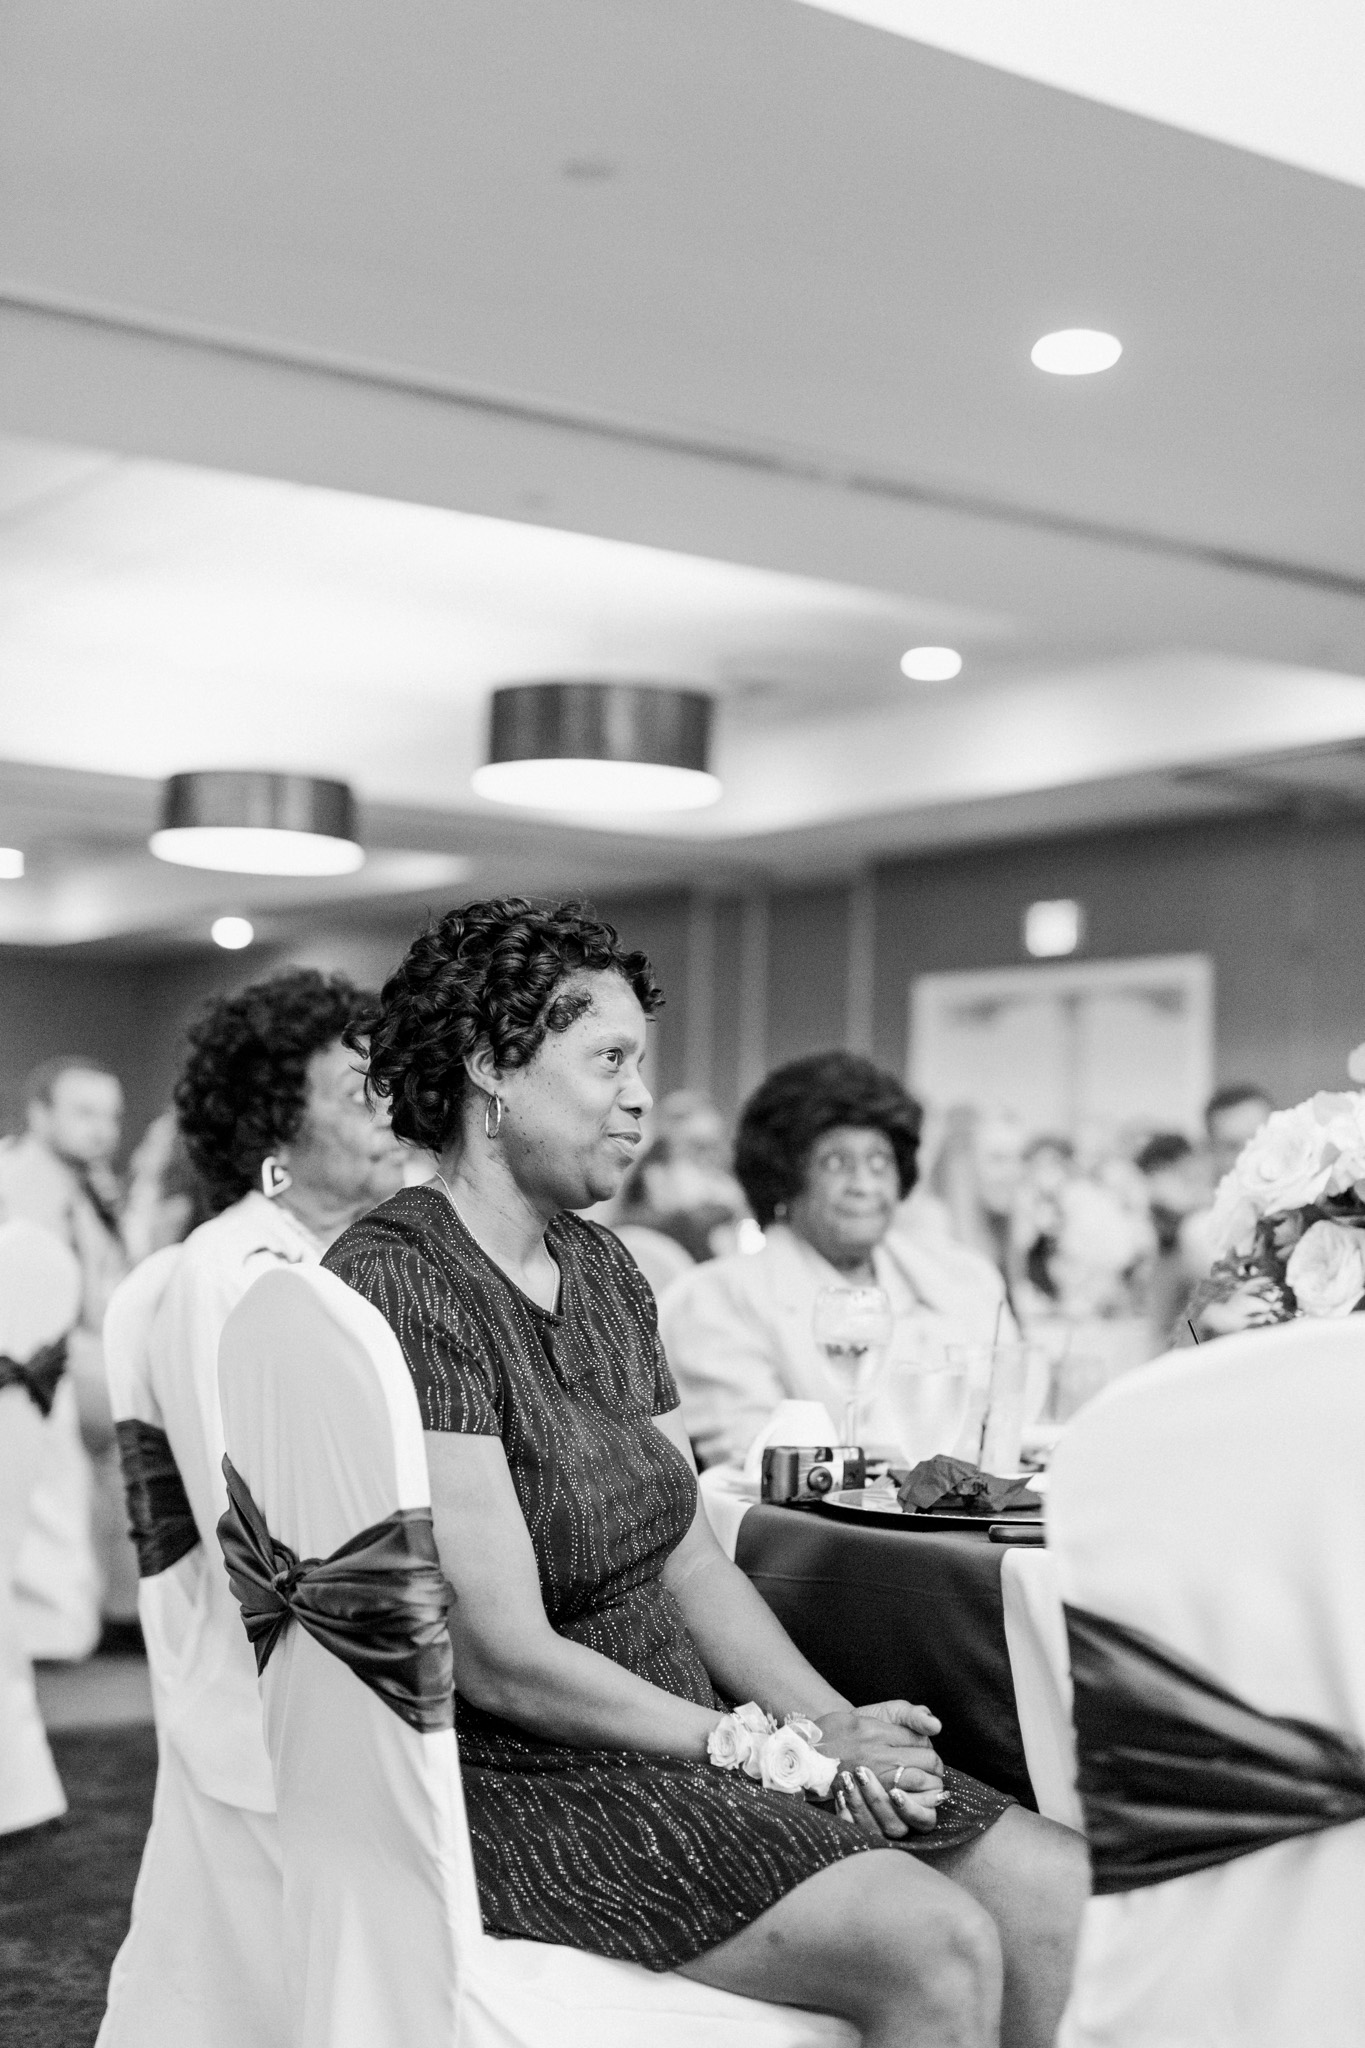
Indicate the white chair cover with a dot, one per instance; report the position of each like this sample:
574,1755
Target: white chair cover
40,1296
202,1965
385,1947
1216,1502
57,1585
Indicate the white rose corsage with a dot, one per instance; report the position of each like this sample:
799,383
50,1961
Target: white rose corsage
781,1759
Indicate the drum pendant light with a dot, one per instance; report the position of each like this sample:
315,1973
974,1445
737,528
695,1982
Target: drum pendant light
244,823
599,747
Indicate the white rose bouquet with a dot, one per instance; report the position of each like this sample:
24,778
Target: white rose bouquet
1289,1219
781,1759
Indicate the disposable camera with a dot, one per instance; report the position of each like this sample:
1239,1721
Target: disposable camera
810,1471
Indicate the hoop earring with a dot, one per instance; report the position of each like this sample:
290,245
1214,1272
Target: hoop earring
492,1117
275,1177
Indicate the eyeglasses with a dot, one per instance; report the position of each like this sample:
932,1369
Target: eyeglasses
833,1166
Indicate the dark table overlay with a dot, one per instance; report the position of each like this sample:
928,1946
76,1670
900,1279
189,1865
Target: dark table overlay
890,1614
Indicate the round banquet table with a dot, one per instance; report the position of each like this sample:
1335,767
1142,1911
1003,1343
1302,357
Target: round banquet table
971,1628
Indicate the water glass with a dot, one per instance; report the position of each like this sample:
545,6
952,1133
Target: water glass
997,1378
853,1327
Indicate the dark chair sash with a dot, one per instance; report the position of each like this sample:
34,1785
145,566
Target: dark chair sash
39,1376
1178,1774
160,1519
378,1603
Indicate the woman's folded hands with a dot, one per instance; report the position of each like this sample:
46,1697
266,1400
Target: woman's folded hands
891,1777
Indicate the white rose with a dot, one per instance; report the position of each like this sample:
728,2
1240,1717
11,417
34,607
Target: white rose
821,1772
758,1726
1326,1270
811,1730
1344,1118
1232,1223
784,1761
730,1746
1288,1163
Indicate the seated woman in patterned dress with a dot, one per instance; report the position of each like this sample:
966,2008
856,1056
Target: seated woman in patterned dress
598,1629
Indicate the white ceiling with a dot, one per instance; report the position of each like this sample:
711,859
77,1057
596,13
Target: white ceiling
1249,72
356,363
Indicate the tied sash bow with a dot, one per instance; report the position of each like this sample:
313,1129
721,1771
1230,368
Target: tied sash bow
378,1603
39,1375
160,1519
1178,1774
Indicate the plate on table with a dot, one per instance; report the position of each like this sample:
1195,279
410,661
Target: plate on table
878,1504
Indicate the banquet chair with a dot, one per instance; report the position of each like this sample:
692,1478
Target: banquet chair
169,1599
1207,1517
40,1293
201,1965
383,1938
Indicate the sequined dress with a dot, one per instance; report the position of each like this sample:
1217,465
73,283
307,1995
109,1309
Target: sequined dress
653,1859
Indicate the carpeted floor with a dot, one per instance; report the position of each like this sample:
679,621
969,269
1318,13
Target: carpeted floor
65,1890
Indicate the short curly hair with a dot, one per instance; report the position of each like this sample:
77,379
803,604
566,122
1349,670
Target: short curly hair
486,974
243,1088
786,1114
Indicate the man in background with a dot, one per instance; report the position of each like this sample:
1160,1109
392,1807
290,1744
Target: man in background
59,1174
1231,1116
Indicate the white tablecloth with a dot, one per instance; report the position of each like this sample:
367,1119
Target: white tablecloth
1035,1634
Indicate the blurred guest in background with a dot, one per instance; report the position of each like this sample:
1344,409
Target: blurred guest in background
825,1153
60,1174
1177,1185
1049,1166
974,1183
639,1218
166,1198
288,1149
680,1204
1232,1116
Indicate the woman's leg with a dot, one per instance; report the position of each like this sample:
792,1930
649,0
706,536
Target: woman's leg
908,1956
1033,1878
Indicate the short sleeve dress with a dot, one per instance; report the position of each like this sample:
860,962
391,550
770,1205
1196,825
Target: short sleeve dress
654,1859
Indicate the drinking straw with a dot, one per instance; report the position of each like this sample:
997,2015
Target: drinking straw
999,1318
1190,1327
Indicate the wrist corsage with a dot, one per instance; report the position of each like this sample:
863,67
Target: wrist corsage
781,1759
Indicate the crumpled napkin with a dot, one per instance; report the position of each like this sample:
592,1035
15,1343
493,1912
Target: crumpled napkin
953,1485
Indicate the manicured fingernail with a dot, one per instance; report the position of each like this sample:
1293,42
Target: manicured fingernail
864,1774
846,1780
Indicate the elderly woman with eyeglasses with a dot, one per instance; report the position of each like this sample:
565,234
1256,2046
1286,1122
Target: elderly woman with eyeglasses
826,1152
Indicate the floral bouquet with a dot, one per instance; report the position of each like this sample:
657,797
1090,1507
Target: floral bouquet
1289,1219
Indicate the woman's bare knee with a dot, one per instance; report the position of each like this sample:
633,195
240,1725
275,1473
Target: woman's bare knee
880,1940
945,1954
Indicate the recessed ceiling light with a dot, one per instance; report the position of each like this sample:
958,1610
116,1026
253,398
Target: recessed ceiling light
931,664
1052,930
1076,352
232,933
11,864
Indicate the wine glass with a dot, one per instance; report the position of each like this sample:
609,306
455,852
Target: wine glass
853,1326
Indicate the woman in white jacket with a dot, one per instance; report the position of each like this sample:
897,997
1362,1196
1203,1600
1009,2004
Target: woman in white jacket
826,1151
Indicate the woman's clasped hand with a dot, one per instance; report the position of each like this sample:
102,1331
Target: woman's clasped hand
891,1777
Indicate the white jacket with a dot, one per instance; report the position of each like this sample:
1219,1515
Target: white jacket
737,1332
